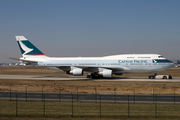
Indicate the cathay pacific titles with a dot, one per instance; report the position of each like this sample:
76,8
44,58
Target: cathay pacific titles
132,61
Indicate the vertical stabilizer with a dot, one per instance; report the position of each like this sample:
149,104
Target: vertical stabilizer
27,48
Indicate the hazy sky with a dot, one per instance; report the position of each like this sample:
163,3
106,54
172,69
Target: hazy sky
91,27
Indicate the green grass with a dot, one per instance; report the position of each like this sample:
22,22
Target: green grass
86,110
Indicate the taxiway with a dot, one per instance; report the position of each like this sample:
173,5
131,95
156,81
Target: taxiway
63,78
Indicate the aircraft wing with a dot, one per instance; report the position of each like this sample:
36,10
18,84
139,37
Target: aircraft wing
87,68
95,69
115,69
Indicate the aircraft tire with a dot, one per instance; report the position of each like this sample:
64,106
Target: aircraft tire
88,76
164,77
100,77
92,76
151,77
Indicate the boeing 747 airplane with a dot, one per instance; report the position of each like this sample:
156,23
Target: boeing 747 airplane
96,67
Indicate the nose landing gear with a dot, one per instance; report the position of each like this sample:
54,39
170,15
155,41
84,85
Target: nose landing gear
155,76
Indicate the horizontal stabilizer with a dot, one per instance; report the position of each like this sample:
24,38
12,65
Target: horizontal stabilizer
29,61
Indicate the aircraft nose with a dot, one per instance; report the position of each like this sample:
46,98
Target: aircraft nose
171,65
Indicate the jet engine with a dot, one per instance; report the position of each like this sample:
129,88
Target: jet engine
76,72
106,73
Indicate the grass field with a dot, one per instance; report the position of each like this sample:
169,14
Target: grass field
87,110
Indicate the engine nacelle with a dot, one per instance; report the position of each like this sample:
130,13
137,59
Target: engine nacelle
106,73
76,72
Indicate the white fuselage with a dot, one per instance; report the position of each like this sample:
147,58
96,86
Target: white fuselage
127,63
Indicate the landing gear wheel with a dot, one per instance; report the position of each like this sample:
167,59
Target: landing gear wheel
89,76
151,77
93,77
101,77
164,77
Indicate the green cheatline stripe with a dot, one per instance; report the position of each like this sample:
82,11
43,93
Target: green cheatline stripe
163,61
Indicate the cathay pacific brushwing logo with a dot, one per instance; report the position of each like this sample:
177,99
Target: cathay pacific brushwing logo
154,61
25,48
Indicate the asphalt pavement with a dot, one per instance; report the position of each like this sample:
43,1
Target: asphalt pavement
80,78
90,97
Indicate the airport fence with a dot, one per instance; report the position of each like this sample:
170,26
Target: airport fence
101,105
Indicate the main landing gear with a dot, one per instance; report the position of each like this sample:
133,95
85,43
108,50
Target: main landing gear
94,76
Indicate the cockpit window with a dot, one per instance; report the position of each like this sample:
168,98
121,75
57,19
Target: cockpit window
160,56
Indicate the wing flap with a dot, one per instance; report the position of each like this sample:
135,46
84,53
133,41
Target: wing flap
95,69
